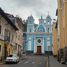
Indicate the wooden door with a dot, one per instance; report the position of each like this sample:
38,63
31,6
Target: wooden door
38,49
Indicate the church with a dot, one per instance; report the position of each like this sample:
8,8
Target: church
39,36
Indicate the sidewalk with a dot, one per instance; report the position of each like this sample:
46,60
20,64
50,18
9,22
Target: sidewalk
55,63
1,63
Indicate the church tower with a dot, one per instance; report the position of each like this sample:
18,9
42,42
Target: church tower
48,24
30,29
41,20
30,24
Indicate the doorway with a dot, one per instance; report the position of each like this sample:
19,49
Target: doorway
38,49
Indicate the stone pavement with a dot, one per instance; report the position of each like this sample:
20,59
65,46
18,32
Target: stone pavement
55,63
29,61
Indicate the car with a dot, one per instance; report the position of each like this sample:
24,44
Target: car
12,59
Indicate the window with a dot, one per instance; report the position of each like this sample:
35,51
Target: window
39,41
30,46
0,29
30,30
12,37
48,30
0,48
61,3
30,22
48,22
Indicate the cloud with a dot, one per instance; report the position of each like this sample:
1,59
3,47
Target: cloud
24,8
28,3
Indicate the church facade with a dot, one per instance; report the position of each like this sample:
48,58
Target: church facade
39,37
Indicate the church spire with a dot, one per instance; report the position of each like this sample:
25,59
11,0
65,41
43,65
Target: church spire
41,20
41,17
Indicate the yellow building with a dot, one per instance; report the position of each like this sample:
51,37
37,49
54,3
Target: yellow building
62,29
55,46
1,48
65,20
60,23
7,35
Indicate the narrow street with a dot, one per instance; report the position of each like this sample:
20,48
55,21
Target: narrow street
33,33
36,61
54,63
29,61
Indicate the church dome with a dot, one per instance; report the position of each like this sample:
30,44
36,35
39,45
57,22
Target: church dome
48,16
31,17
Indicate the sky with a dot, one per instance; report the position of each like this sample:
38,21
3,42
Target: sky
25,8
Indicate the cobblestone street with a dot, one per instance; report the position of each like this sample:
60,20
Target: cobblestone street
35,61
55,63
33,33
29,61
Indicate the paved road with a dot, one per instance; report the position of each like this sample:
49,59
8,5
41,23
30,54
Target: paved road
55,63
30,61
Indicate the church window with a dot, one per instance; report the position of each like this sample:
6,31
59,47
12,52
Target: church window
48,30
39,41
30,30
48,22
30,21
30,46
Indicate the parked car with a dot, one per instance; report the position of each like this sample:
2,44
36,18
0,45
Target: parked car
12,59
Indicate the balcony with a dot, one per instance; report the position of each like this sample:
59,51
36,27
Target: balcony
7,38
1,37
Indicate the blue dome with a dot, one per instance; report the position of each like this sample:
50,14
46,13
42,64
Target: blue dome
31,17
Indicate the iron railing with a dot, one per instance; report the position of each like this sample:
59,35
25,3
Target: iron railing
7,38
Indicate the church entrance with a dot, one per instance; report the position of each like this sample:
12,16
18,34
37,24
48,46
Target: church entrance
38,49
39,45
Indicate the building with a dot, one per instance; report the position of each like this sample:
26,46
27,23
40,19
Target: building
39,37
19,36
7,35
55,38
18,48
24,35
61,24
62,30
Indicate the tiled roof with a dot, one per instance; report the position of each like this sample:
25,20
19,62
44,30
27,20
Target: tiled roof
8,20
